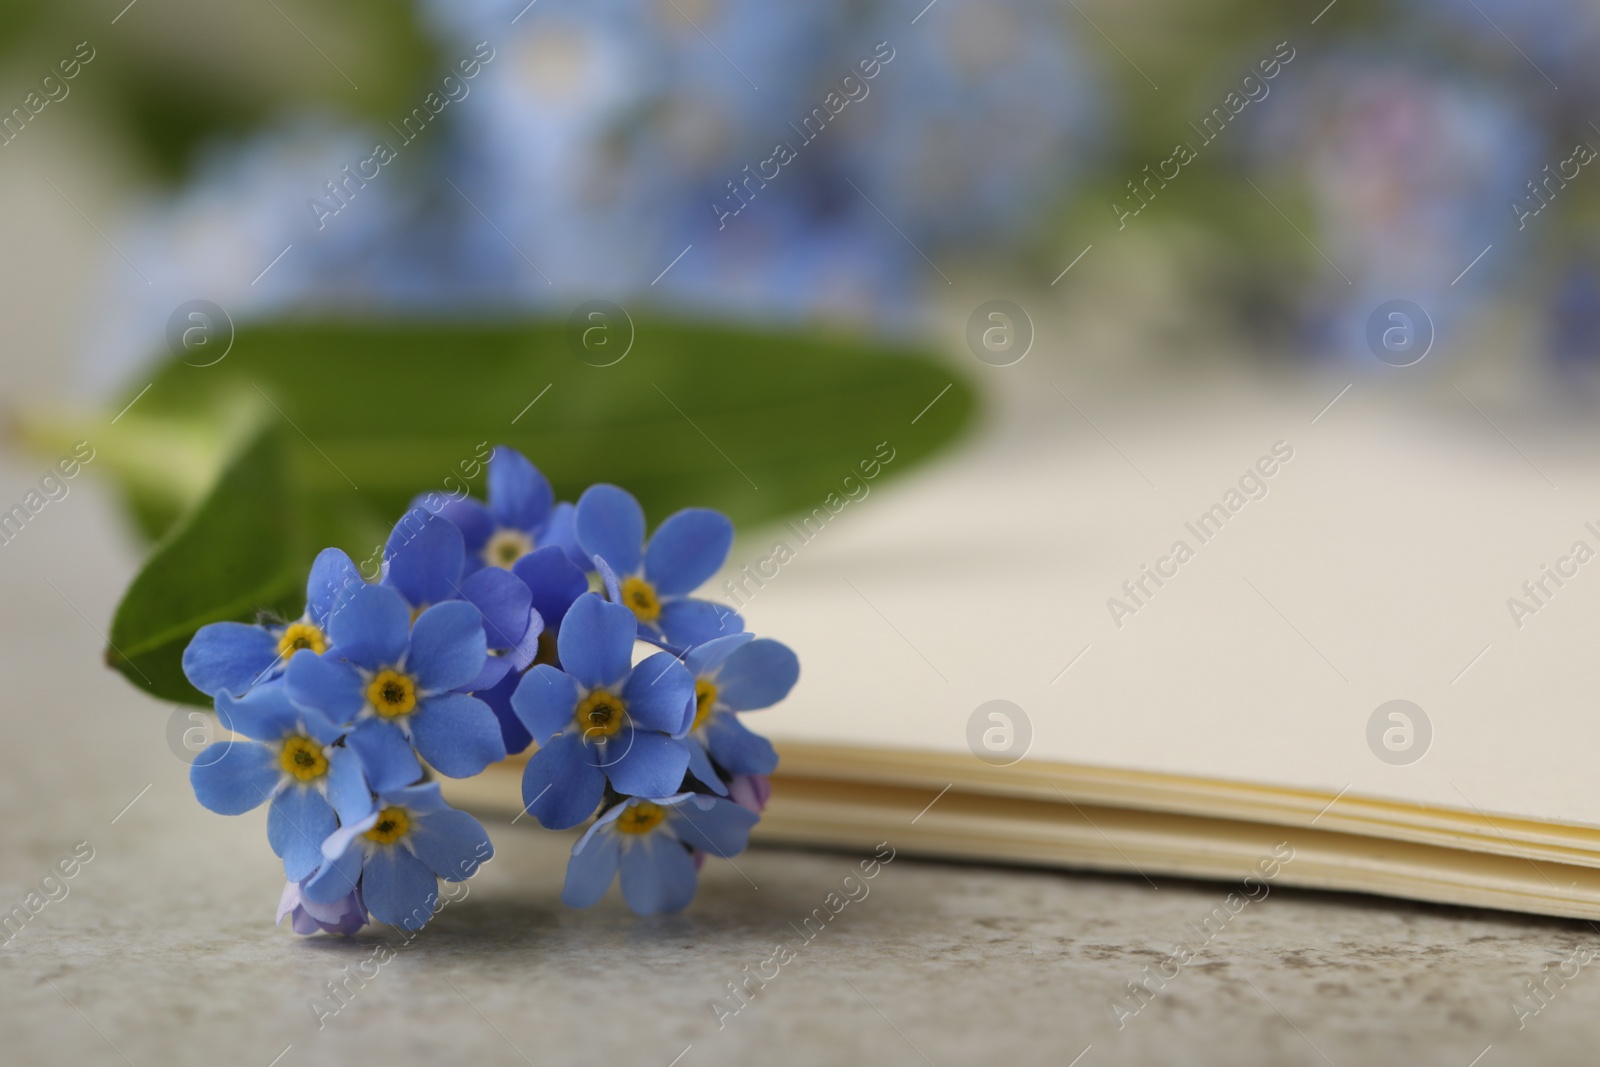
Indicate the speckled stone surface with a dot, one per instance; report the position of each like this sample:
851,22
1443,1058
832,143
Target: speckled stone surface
163,950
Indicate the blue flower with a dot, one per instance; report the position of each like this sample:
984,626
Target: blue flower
555,583
521,514
650,842
231,657
734,674
425,559
344,916
396,855
290,760
598,718
655,580
396,682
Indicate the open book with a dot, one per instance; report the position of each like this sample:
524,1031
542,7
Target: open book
1165,636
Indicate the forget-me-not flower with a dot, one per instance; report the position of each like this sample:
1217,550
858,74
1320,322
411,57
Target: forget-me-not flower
396,682
650,842
291,759
655,579
397,854
600,718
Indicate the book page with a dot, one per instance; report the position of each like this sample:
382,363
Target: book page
1231,582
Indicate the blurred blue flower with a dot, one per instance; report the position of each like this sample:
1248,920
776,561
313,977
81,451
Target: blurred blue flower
1408,174
396,682
397,853
291,760
600,718
655,579
650,843
231,657
733,674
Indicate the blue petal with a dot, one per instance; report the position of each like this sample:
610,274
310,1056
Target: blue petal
706,658
451,843
457,734
425,798
738,749
608,580
426,555
373,627
333,578
700,767
660,695
447,646
498,698
264,714
228,657
519,496
348,791
545,701
642,763
337,877
596,641
495,670
562,532
560,787
713,825
553,581
398,889
610,523
687,622
297,824
232,777
658,875
385,754
686,550
324,683
758,675
504,601
592,867
465,514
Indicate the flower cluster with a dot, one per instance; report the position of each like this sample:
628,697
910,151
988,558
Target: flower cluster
494,626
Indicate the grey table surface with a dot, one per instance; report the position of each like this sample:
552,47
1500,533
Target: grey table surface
163,950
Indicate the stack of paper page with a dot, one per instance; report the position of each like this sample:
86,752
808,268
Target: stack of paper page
1182,636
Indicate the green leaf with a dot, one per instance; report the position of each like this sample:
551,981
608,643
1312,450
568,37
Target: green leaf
363,417
236,554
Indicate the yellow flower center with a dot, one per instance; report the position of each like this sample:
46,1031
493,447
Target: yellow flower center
303,758
392,694
640,817
641,597
600,715
298,635
705,697
392,825
505,547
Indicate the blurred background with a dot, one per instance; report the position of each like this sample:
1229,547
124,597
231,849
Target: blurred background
1253,181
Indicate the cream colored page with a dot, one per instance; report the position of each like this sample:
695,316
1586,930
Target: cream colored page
1377,566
